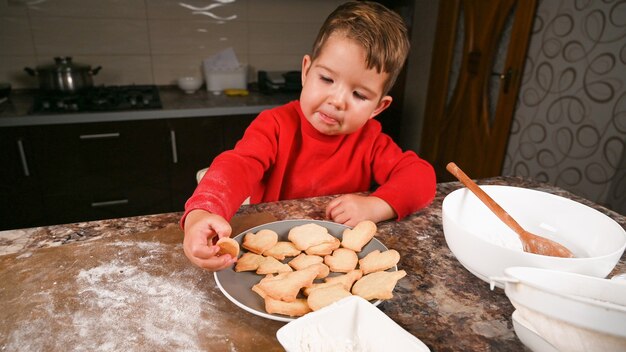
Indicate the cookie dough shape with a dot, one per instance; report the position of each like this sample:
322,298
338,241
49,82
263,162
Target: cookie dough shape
281,250
286,287
324,296
303,260
378,261
271,265
249,262
347,280
359,236
309,235
342,260
378,285
261,241
228,246
297,308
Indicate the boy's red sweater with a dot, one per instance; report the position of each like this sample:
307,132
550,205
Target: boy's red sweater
282,156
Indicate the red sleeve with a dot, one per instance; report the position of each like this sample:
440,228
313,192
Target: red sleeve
233,174
407,182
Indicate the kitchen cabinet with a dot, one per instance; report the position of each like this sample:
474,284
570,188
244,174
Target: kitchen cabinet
88,171
100,170
194,143
20,197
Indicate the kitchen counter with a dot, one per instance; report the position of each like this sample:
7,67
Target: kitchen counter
114,298
176,104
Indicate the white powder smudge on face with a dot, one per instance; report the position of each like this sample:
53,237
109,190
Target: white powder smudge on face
123,307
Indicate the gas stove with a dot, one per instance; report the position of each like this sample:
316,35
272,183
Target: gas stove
98,99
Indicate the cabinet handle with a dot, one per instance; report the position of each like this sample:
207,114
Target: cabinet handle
100,135
109,203
174,150
20,148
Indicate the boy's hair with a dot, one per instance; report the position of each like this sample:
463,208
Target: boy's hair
380,31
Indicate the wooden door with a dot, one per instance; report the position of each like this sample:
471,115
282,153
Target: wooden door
479,54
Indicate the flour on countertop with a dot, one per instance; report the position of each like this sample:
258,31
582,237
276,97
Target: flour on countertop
122,306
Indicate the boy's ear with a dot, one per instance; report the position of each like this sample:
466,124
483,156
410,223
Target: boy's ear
306,65
384,103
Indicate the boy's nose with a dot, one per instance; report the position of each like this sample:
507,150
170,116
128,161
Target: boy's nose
338,99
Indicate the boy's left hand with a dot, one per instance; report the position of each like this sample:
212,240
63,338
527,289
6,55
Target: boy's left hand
350,209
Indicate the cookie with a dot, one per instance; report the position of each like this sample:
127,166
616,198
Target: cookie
359,236
261,241
324,296
342,260
271,265
286,287
324,248
378,261
228,246
347,280
297,308
248,262
378,285
281,250
303,260
309,235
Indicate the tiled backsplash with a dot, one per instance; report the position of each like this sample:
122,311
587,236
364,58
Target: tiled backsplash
155,41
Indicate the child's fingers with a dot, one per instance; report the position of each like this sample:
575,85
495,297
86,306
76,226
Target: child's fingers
215,263
201,251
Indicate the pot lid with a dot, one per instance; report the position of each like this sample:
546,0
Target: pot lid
63,64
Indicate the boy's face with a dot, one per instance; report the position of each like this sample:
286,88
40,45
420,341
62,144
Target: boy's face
339,93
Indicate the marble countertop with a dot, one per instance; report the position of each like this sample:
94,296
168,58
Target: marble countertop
439,301
176,104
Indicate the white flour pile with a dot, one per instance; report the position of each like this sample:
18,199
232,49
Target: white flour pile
122,307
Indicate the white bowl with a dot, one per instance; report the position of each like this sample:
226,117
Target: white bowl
485,246
189,84
571,312
350,324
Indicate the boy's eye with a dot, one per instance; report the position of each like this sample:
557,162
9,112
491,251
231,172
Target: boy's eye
359,96
326,79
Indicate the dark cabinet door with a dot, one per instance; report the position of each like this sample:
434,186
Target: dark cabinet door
20,201
100,170
195,142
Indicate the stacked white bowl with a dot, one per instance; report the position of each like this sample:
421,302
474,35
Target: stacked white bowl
487,247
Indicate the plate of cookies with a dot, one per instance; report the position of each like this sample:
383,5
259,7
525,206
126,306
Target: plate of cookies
289,268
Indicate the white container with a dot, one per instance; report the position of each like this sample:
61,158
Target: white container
219,79
572,312
486,246
350,324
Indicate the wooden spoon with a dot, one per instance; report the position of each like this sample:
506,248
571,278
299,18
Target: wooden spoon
530,242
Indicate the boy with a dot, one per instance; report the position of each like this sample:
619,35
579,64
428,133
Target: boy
326,143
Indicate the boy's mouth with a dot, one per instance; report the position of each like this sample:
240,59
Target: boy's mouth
328,119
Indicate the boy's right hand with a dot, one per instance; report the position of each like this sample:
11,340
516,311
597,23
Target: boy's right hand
200,228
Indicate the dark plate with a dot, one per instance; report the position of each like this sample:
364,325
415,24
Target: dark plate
237,287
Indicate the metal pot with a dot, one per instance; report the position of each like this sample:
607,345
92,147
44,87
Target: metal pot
64,75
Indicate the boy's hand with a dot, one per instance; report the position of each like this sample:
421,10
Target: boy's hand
350,209
200,228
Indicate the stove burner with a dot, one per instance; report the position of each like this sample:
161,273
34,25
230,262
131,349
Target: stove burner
99,99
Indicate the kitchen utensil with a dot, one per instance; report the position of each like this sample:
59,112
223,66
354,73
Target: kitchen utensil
572,312
531,242
189,84
350,324
237,286
64,75
485,246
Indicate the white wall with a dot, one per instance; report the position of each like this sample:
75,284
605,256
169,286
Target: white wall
155,41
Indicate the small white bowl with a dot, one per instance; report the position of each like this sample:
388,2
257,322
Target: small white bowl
485,246
189,84
572,312
350,324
